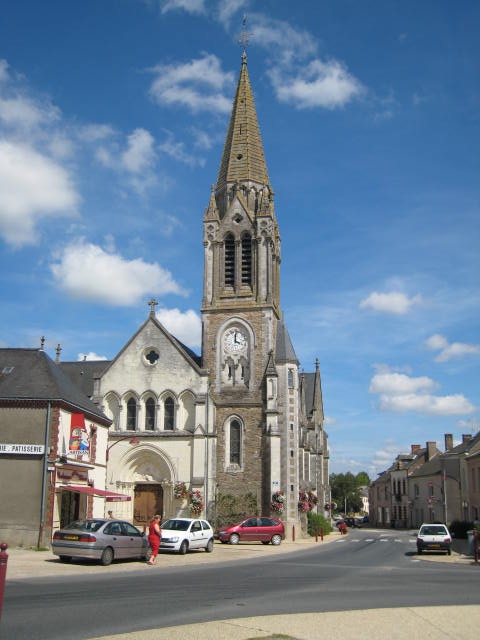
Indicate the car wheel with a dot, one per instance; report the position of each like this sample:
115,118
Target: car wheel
265,541
276,539
449,551
209,547
183,548
107,556
234,538
65,558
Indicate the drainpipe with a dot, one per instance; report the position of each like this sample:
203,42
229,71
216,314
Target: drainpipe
44,478
206,452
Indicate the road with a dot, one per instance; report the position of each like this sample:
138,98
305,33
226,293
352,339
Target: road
366,569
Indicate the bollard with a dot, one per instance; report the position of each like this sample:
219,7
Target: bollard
3,572
293,533
475,545
316,534
321,533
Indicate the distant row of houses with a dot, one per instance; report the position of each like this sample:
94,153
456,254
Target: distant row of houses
428,485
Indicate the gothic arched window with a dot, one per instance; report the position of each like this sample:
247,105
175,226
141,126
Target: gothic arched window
132,414
150,414
230,260
247,259
169,415
235,442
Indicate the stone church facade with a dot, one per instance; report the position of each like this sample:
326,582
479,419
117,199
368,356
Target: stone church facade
241,422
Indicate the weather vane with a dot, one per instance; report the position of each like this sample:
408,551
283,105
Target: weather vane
244,38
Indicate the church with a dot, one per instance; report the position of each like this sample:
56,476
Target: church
239,428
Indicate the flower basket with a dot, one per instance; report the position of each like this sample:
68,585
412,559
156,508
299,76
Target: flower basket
307,500
278,502
196,503
180,490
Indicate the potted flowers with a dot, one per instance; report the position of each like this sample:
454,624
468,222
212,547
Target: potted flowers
180,490
196,504
278,502
306,500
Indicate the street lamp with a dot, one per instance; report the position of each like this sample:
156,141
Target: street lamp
131,440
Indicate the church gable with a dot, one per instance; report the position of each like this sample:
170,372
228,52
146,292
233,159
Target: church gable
152,359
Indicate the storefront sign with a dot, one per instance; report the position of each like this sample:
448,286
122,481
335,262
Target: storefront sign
23,449
79,445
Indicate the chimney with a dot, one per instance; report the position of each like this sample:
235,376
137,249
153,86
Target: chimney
431,450
415,448
466,437
448,441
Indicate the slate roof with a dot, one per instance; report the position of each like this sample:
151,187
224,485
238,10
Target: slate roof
31,375
284,351
82,373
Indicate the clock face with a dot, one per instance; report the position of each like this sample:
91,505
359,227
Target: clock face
235,341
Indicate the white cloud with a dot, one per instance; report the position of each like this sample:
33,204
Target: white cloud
186,326
197,85
90,356
289,43
400,393
190,6
32,187
86,272
139,154
96,132
318,84
177,151
395,302
3,70
398,384
448,351
431,405
227,8
329,420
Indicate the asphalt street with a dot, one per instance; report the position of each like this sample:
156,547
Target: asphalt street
363,571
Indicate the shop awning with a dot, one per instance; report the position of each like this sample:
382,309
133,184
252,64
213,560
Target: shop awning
110,496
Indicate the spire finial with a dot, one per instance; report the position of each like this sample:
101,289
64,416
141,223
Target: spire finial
152,303
244,38
58,351
42,343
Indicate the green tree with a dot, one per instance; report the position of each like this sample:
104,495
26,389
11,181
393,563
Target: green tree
345,490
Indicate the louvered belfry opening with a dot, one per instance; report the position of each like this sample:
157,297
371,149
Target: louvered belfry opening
230,261
247,260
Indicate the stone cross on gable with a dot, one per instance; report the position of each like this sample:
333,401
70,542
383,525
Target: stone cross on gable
152,303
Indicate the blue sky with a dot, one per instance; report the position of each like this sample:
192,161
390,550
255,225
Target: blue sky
113,115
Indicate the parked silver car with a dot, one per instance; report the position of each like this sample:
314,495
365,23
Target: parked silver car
100,539
182,534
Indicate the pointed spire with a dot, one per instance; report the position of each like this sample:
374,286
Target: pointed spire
243,160
211,212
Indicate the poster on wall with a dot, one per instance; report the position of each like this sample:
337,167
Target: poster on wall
79,444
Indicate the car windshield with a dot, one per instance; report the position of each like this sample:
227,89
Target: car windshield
433,530
176,525
85,525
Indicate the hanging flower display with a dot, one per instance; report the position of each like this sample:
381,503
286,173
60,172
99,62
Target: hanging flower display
180,490
196,504
306,500
278,502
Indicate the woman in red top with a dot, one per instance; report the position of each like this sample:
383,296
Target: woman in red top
154,537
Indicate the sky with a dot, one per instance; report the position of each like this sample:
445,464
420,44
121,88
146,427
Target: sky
113,115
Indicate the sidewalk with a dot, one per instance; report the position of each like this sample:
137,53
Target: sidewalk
27,563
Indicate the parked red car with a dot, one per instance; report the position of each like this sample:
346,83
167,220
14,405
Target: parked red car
259,529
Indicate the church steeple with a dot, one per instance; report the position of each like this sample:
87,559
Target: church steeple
243,161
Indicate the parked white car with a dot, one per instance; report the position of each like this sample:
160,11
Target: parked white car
182,534
434,537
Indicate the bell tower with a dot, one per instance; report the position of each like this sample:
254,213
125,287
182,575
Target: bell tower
241,299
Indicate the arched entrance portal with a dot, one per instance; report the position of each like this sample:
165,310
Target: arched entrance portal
148,501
